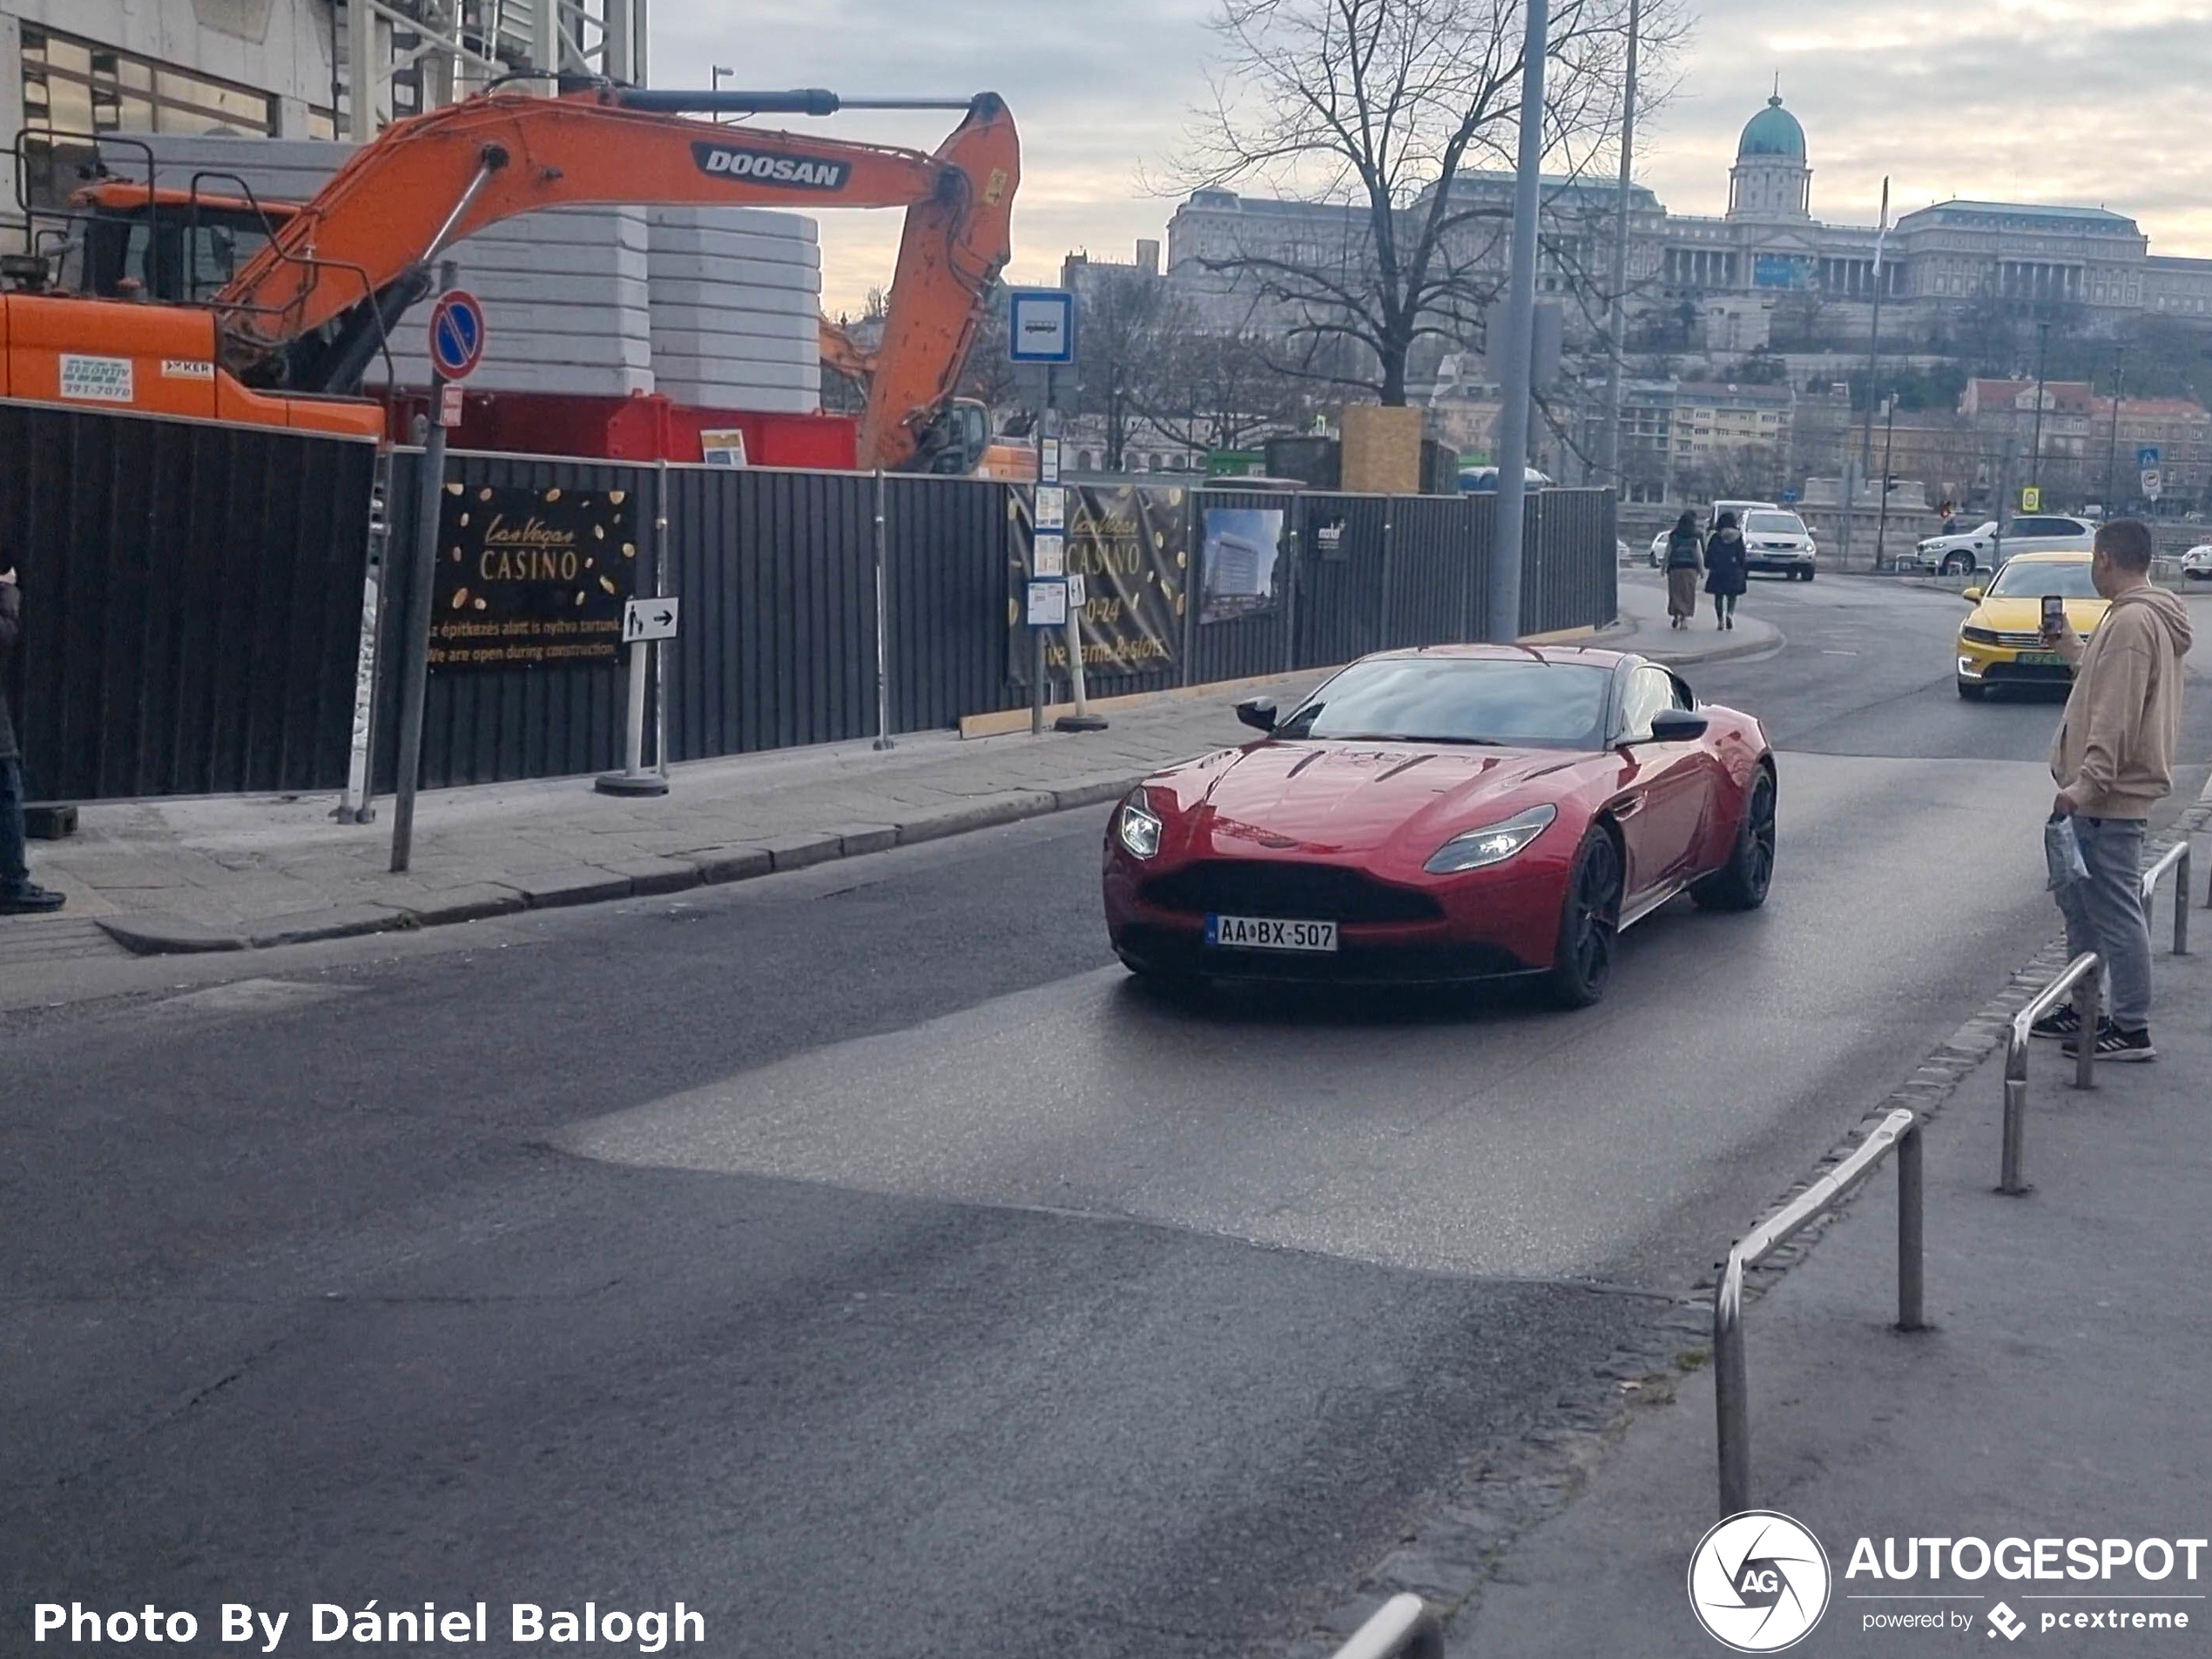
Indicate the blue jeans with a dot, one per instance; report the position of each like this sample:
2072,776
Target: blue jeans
15,875
2105,914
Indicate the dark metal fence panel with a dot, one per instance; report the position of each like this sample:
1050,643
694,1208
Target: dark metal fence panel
494,724
946,599
1240,647
1436,566
1570,566
1340,572
192,597
776,571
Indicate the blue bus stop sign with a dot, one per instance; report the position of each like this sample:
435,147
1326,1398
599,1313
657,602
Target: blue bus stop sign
457,334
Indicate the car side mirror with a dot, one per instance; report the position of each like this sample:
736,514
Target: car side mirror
1678,726
1257,712
1969,594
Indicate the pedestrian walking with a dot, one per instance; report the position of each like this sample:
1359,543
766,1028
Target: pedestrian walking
2113,760
1685,561
18,895
1726,569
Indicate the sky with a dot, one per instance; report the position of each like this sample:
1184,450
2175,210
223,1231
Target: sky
2096,102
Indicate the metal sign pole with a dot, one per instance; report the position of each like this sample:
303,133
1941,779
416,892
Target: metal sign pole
1516,359
415,682
882,626
660,592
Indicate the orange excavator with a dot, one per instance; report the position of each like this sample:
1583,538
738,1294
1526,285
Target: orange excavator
119,319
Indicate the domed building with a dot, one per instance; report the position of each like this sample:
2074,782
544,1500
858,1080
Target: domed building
1771,179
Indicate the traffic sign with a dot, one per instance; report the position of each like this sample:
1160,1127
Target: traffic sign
2147,456
457,334
1041,326
2031,498
2153,482
644,619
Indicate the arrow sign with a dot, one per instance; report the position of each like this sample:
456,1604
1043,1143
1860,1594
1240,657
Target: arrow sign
457,334
644,619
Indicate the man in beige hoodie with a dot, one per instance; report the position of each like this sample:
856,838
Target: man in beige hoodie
2114,761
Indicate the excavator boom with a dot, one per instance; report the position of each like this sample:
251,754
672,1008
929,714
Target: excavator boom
310,310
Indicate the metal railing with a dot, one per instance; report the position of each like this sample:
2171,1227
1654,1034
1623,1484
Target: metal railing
2176,859
1403,1626
2087,967
1901,1130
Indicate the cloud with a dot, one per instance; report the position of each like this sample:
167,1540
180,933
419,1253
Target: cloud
2090,101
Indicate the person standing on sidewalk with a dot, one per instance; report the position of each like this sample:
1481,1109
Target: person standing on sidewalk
1685,560
2113,760
1727,572
18,896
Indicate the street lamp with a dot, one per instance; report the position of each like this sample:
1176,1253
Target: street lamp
719,71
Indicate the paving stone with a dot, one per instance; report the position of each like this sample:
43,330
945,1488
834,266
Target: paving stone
855,840
577,884
649,875
797,851
471,903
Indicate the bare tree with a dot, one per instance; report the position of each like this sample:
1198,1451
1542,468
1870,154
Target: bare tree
1382,109
1131,328
1224,391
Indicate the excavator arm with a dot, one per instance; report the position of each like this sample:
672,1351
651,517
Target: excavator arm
310,310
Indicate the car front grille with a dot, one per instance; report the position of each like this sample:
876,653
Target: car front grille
1272,888
2020,642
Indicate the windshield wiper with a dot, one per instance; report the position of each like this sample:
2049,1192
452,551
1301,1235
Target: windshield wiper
1410,737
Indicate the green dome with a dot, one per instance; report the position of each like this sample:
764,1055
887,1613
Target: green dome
1772,131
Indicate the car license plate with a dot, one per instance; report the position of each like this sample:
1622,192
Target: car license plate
1264,933
2040,659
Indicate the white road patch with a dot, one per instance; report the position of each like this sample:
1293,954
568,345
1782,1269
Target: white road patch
1504,1141
253,996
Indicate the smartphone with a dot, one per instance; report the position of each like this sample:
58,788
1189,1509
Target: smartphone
2054,613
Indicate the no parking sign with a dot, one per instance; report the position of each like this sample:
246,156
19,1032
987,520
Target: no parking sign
457,334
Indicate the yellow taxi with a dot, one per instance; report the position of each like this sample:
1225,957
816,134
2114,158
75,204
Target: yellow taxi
2002,641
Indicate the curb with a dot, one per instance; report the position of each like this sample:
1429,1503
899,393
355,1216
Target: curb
148,933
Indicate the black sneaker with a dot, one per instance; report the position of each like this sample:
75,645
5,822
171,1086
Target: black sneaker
2062,1021
2113,1043
29,901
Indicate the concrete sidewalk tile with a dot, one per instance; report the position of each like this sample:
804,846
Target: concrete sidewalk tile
737,862
649,875
797,851
332,922
575,884
154,932
1008,807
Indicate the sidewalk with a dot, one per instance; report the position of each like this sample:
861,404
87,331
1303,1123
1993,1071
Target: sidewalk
236,872
2060,1395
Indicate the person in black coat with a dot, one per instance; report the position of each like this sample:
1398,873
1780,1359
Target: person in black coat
18,896
1685,559
1725,570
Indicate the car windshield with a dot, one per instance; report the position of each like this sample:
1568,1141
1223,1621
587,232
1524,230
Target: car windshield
2021,579
1445,700
1773,525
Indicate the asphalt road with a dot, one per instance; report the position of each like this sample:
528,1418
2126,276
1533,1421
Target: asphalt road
854,1256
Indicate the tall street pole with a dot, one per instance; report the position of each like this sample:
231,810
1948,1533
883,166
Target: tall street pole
2112,449
1874,340
2035,449
1616,321
1520,314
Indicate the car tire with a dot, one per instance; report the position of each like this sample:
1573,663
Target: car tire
1971,693
1809,574
1957,564
1741,883
1589,923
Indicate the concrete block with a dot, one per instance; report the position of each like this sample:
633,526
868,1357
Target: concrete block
651,875
575,884
716,274
334,921
1090,791
471,903
1008,808
854,840
782,349
757,221
796,851
152,933
733,863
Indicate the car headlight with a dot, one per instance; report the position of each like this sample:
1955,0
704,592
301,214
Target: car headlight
1979,636
1493,844
1135,826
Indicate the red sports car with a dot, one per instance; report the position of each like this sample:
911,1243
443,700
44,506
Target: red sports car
1454,813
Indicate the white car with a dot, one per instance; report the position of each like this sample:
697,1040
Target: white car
1777,541
1659,549
1982,547
2197,564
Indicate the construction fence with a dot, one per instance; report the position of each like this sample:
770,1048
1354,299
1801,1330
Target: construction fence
194,619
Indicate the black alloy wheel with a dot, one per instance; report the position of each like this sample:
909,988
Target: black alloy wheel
1741,883
1590,922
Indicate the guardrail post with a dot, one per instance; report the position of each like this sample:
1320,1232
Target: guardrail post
2181,901
1730,1408
2091,1004
1909,1216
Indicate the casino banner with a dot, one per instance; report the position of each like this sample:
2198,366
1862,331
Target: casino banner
1130,546
531,577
